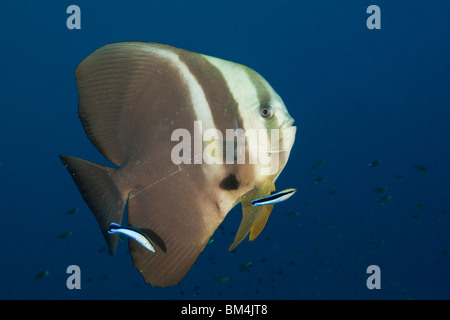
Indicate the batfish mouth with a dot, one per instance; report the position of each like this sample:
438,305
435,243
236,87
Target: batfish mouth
287,138
288,128
287,123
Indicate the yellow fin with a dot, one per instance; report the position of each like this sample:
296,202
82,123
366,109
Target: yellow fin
251,214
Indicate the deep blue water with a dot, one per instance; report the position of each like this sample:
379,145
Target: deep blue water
357,95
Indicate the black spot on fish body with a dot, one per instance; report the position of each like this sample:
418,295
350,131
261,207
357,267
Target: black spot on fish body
229,183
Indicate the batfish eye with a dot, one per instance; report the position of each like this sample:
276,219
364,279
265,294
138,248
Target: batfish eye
266,111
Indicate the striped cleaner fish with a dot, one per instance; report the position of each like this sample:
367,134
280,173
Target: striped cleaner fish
133,233
189,137
274,198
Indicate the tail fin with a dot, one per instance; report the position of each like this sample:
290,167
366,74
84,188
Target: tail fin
102,195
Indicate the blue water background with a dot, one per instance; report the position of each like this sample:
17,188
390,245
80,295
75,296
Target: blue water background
357,95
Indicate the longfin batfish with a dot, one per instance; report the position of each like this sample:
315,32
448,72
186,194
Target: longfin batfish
145,106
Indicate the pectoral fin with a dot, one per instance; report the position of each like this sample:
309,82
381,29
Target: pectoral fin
261,220
253,218
259,224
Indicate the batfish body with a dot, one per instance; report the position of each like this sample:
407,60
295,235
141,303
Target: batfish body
160,114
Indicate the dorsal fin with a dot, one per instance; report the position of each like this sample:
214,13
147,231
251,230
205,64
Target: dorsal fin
109,108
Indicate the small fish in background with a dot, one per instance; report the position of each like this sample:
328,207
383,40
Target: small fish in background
399,177
41,275
375,242
316,181
133,233
380,189
331,225
419,206
374,163
210,241
246,266
72,211
421,169
274,198
318,164
222,278
332,192
383,200
65,235
293,213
